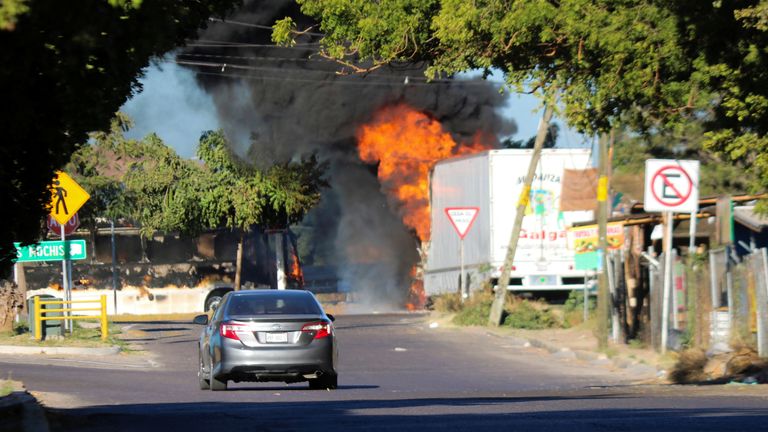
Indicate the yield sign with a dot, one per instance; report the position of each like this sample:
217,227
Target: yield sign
462,218
671,185
66,197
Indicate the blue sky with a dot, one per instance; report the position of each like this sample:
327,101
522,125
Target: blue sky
173,106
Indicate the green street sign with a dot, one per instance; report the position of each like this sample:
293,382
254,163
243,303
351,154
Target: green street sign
51,251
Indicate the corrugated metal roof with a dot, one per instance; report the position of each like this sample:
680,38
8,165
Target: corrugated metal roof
746,216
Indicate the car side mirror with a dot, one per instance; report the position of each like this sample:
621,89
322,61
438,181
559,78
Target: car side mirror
331,317
200,319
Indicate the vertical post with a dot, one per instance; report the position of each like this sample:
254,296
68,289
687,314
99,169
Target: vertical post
280,259
731,300
239,260
69,295
762,308
586,296
713,281
104,327
114,266
612,291
497,309
603,303
667,282
65,276
21,283
462,281
653,291
38,321
692,232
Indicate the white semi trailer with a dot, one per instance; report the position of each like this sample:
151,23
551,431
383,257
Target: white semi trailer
491,181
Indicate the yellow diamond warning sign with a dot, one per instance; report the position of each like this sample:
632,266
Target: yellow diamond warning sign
66,197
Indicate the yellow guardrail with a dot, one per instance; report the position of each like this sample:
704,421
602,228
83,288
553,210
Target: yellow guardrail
39,318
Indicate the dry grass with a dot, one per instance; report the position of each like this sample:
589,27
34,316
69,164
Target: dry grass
6,387
447,303
689,367
81,337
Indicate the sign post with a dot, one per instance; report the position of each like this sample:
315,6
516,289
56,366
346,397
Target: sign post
462,219
66,199
671,186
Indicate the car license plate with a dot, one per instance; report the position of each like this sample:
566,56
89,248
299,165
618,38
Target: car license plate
277,337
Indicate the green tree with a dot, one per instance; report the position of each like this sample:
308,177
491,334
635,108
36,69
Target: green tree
98,166
67,67
718,175
648,64
237,195
219,190
652,63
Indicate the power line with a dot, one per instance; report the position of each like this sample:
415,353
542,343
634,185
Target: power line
298,59
223,66
244,45
258,26
381,83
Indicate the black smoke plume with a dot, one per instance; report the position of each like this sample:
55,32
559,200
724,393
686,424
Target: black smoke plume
277,103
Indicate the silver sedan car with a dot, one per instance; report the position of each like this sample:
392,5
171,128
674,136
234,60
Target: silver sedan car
268,335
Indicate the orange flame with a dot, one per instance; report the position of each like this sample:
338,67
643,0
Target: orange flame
296,272
407,143
417,298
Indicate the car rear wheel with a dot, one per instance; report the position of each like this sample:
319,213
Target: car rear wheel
204,383
217,385
329,381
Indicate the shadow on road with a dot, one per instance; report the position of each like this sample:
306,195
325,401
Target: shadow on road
546,413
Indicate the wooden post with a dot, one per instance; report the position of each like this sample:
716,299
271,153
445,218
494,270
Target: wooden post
21,283
497,309
602,246
239,260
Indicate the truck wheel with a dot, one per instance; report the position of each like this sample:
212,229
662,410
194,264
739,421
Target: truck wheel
212,302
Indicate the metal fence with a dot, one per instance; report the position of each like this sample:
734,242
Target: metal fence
716,299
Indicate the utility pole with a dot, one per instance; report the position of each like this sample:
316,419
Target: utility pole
497,309
602,229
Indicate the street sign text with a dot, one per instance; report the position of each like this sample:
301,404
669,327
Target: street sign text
51,251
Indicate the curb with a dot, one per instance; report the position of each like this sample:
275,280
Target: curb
595,358
20,411
18,349
592,357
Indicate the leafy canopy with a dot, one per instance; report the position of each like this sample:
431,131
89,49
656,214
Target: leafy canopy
67,68
654,65
219,190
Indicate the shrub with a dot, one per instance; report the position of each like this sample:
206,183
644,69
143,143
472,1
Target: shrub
446,302
526,316
475,311
573,308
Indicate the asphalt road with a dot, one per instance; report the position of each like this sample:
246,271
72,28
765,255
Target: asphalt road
396,373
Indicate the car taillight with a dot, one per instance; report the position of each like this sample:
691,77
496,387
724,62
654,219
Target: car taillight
321,329
229,330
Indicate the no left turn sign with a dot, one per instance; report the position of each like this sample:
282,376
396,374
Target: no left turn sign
671,185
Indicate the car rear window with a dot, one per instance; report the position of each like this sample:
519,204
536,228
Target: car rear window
273,305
